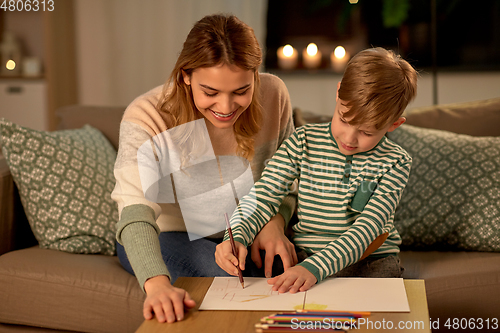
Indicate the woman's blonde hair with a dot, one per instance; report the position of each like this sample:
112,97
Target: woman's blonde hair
215,40
377,86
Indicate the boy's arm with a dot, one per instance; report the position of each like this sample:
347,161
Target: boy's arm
289,203
264,200
374,221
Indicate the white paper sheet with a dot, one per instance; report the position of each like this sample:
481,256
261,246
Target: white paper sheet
358,294
335,294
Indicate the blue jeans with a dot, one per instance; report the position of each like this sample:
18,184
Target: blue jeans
195,258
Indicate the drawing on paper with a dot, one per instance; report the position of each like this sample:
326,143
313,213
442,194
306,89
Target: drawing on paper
226,293
231,291
315,306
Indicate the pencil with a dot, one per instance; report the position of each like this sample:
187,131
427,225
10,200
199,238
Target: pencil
265,328
349,313
233,246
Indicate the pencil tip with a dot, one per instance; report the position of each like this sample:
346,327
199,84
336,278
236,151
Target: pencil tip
243,285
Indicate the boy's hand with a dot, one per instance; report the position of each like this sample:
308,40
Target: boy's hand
295,279
226,260
272,239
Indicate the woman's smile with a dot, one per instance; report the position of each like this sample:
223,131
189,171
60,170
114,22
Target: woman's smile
222,116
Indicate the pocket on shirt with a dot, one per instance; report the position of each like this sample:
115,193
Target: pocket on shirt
362,195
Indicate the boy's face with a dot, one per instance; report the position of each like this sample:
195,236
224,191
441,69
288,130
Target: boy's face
356,139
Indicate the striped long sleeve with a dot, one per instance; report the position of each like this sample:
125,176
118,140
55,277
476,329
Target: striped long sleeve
344,202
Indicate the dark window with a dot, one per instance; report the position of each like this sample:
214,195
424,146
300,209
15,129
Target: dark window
467,32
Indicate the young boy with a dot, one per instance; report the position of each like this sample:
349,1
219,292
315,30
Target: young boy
351,178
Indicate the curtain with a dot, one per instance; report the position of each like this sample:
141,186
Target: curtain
127,47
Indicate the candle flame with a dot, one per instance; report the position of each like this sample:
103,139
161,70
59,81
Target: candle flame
288,50
312,49
339,52
11,65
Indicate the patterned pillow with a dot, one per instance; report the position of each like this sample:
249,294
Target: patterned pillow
65,179
452,197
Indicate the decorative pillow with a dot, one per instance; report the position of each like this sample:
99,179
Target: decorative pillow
452,197
65,179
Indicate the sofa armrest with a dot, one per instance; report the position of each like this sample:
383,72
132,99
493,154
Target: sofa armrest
15,232
105,118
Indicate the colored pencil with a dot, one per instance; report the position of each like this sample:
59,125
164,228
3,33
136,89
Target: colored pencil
357,314
290,329
287,321
233,246
285,318
291,322
291,319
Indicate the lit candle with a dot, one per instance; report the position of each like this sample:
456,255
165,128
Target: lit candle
287,57
10,65
339,59
311,56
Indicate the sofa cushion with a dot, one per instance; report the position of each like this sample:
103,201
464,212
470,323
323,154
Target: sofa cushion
65,180
85,293
451,200
477,118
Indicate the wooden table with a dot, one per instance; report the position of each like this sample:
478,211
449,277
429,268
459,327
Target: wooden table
244,321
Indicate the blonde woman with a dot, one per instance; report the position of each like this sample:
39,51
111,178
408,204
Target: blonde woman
187,152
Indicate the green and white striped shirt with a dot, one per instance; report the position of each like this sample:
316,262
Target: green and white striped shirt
344,202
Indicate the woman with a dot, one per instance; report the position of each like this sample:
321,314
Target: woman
179,162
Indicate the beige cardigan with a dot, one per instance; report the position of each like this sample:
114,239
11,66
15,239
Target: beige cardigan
141,219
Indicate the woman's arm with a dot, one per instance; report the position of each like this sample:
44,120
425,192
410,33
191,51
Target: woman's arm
138,232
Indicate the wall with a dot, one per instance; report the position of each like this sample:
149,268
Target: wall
49,36
317,92
28,29
126,47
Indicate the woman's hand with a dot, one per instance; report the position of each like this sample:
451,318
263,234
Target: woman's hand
295,279
272,239
226,260
164,300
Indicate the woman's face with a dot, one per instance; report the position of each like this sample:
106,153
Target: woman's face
221,93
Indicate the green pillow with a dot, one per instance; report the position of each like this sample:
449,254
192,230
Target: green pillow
452,198
65,179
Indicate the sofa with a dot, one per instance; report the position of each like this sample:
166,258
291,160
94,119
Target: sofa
44,287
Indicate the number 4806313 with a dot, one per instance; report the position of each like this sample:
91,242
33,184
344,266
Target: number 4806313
472,323
27,5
